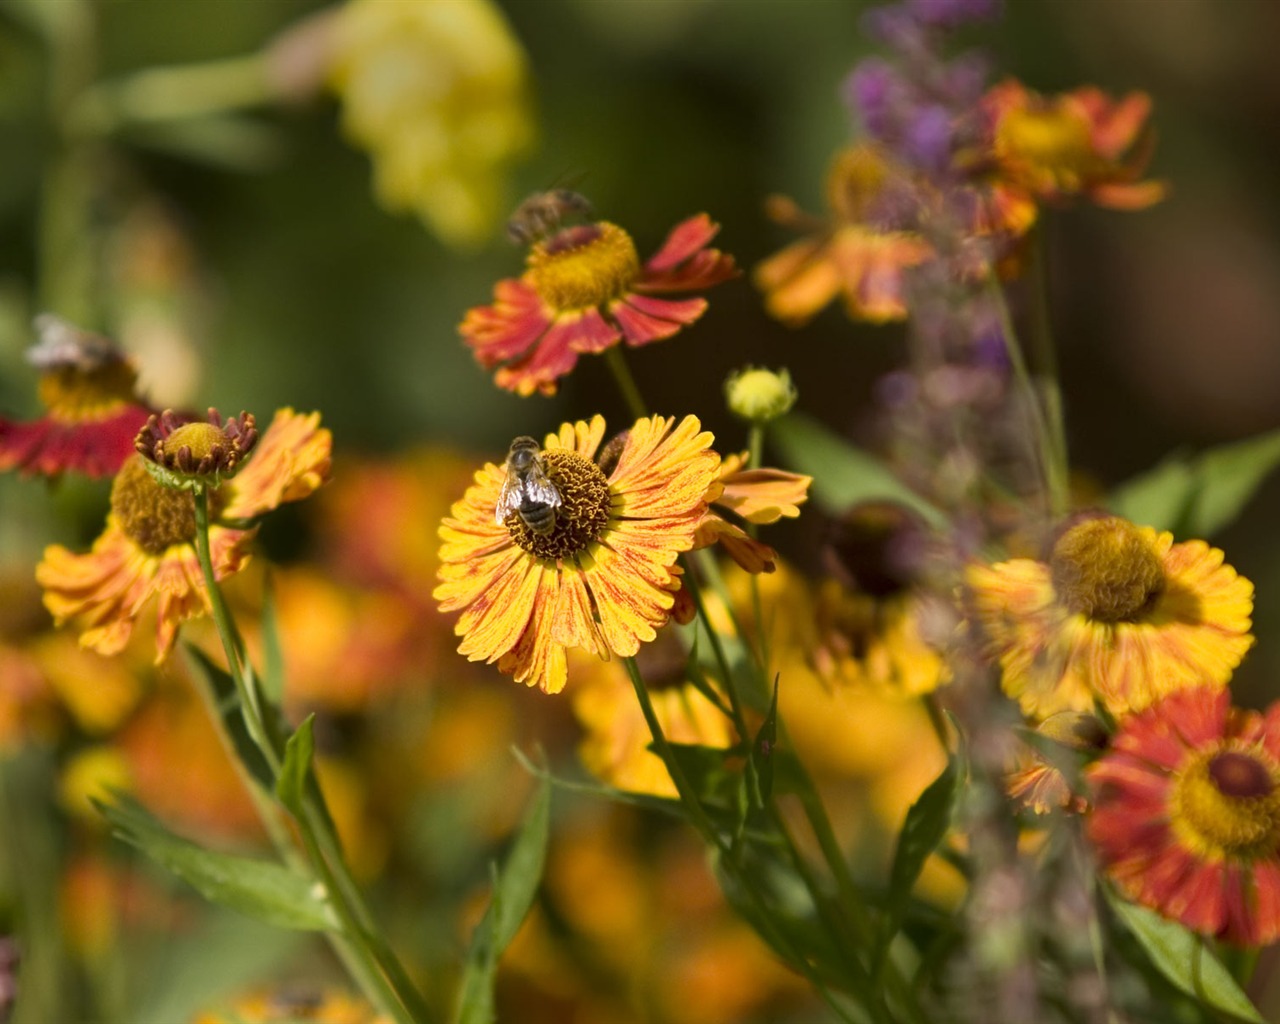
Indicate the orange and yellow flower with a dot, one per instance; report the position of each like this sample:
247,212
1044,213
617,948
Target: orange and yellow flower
293,1004
1118,614
1077,143
857,254
148,548
603,578
1186,815
757,496
868,614
89,389
583,291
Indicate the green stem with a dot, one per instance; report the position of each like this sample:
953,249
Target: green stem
1052,458
360,947
617,364
177,93
711,834
1043,348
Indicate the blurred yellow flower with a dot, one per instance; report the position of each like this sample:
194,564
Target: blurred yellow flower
437,93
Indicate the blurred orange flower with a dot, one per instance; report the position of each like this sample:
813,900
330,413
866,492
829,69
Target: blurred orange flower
1119,613
856,254
1076,143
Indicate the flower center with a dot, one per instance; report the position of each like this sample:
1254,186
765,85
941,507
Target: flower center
1106,570
1051,139
585,505
76,395
857,177
153,516
199,437
584,266
1227,804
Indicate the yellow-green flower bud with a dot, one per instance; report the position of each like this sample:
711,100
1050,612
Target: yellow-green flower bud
760,395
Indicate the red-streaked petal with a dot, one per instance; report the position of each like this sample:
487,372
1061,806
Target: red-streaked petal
50,446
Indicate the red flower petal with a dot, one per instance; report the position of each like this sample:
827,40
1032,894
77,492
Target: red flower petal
49,447
644,320
508,328
685,239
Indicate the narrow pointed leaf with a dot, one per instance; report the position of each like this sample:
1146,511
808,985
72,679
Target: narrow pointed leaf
925,827
843,474
1173,950
292,784
225,695
257,888
515,887
1198,495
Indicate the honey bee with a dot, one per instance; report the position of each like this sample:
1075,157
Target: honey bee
542,213
63,344
528,490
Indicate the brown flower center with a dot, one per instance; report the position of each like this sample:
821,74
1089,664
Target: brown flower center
585,506
76,395
1051,139
153,516
857,177
1227,803
1106,570
584,266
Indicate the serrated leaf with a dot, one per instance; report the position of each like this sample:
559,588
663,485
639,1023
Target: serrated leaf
515,887
925,827
257,888
843,474
1198,495
291,786
1173,950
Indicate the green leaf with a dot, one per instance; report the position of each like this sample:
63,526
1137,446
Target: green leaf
843,474
925,827
292,784
1199,495
1229,476
762,749
1175,952
227,701
226,952
256,888
272,649
514,889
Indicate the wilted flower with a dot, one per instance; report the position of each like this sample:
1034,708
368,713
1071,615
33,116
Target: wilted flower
148,547
437,93
584,291
861,253
1186,816
603,577
1118,614
88,387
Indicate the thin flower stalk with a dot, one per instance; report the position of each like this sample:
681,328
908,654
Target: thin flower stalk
359,944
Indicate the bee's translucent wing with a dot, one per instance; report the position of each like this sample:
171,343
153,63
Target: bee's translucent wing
539,488
508,499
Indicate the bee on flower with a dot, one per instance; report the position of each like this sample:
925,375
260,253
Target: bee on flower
585,290
93,411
